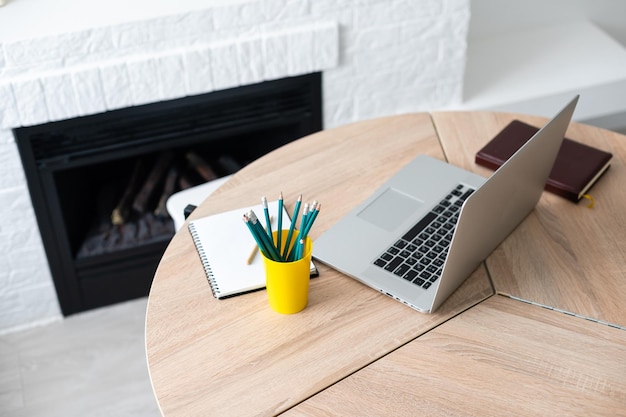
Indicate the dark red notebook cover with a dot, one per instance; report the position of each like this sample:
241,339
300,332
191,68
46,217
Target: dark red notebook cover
576,169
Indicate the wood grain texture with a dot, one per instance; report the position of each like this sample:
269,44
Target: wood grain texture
500,358
236,356
564,255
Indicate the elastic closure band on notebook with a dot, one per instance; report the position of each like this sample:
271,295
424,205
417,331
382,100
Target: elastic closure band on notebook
592,202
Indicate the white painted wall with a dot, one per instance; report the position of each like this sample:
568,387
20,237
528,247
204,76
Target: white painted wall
492,17
532,56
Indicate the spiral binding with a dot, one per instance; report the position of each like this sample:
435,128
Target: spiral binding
215,288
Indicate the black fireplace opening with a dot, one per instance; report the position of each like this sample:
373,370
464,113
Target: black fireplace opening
99,183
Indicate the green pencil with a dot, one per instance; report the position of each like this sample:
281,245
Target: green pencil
296,211
303,220
259,243
263,237
279,228
268,223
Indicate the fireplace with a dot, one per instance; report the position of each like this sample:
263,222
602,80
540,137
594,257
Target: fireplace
98,182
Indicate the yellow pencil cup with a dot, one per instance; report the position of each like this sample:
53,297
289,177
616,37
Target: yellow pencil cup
288,282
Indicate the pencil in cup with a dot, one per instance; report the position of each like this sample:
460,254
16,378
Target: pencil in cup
255,248
279,246
264,243
296,250
296,211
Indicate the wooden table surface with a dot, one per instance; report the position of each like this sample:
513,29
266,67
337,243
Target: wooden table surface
577,259
500,358
237,357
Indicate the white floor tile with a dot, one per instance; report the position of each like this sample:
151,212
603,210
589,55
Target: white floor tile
90,364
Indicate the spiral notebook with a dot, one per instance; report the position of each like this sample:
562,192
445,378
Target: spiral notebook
224,244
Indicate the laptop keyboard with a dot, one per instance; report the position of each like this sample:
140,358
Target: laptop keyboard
419,255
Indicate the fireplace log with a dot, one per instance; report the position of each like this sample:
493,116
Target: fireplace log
168,189
229,163
113,238
200,166
159,168
121,212
184,182
100,224
159,226
128,235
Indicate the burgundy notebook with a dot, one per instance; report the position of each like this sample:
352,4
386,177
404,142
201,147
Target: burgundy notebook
576,169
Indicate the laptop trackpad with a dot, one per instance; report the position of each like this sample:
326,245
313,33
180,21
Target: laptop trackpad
390,209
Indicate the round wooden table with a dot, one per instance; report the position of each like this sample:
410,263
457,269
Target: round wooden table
237,357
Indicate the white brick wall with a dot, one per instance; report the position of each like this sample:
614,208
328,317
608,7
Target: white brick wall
379,57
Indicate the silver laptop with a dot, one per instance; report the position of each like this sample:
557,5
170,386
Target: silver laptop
426,229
